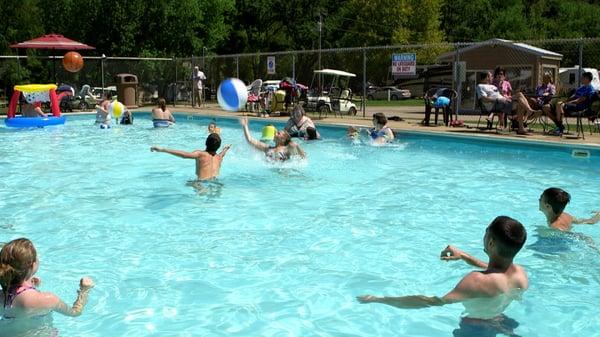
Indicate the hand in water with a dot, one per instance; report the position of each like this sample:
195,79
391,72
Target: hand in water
155,149
86,283
451,253
366,298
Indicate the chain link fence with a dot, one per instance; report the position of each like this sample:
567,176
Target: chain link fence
455,66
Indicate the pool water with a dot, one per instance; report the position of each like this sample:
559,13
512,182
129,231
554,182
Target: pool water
283,250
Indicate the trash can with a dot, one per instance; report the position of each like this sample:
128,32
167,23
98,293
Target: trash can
127,89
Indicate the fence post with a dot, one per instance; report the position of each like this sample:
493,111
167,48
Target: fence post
237,66
176,93
364,93
102,71
580,62
458,80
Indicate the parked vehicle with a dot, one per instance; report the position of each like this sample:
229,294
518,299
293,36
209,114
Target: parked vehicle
333,95
569,79
388,93
97,91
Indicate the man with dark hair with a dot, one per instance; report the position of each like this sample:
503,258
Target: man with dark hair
208,163
484,294
553,202
576,103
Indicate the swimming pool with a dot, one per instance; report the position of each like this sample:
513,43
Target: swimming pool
284,250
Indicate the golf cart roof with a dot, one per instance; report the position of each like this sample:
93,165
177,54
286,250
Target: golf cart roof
334,72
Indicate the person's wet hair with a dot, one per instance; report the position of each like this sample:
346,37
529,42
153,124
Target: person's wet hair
588,75
380,118
108,95
508,234
213,142
16,260
311,133
162,104
557,198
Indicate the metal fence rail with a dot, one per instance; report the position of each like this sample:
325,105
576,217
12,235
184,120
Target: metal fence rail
453,65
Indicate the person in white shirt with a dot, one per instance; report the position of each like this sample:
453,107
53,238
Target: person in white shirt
198,77
494,102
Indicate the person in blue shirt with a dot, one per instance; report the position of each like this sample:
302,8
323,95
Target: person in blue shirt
579,101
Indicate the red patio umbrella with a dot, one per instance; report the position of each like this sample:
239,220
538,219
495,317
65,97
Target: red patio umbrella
52,41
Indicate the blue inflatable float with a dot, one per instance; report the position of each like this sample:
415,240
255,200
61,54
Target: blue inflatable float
33,122
33,95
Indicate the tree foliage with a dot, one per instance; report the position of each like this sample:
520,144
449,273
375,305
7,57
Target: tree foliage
187,27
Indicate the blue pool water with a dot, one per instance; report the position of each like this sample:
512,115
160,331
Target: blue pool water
284,250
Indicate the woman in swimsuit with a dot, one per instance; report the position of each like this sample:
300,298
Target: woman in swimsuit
161,116
381,133
283,150
21,300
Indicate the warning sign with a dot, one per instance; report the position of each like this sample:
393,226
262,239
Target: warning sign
404,64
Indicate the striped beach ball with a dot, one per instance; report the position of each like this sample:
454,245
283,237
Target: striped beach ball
232,94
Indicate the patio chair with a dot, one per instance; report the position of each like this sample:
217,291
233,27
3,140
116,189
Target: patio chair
586,111
594,117
483,111
253,102
447,111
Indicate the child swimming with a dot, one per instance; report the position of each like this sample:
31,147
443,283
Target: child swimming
22,303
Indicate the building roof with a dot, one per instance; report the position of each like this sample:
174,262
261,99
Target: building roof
510,44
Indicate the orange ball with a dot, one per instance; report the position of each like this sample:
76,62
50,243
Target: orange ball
73,61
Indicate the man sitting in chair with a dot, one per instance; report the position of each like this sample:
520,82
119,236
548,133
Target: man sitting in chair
493,101
491,98
576,103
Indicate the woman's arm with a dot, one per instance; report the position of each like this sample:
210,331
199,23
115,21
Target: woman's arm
256,144
52,302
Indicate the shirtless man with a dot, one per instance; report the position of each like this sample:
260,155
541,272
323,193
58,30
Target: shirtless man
283,150
208,163
553,202
485,294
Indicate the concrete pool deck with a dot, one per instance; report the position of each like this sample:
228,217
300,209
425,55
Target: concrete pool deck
412,116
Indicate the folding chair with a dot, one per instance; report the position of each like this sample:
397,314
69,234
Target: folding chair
484,111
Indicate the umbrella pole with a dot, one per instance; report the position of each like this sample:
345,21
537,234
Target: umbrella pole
54,67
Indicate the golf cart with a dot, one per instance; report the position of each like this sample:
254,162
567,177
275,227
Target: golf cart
331,93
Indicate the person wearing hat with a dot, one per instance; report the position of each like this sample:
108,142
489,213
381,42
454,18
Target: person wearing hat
283,149
299,123
268,134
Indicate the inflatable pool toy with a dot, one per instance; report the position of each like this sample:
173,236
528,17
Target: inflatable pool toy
161,123
35,93
232,94
116,109
73,62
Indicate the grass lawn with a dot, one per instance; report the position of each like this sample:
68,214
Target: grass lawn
404,102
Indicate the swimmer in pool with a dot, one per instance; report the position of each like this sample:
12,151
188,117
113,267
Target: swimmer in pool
284,147
213,128
161,116
553,202
22,303
102,115
484,293
208,162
